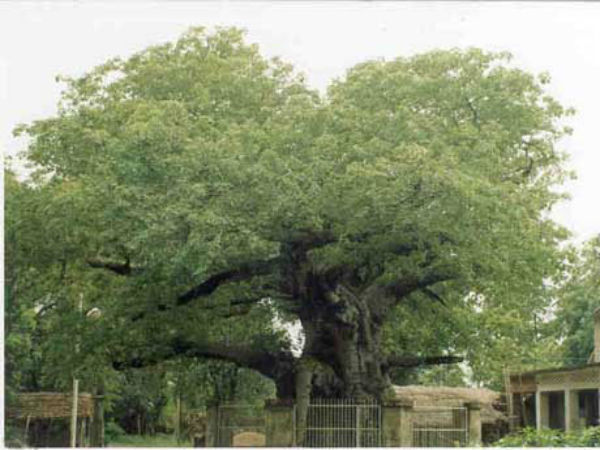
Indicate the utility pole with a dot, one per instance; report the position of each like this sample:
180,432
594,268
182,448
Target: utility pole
178,418
74,412
75,389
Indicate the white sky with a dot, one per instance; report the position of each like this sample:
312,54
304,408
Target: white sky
41,40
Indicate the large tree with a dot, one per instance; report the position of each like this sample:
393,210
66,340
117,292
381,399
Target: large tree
198,193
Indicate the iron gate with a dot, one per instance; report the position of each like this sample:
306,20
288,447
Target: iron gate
343,423
240,425
440,426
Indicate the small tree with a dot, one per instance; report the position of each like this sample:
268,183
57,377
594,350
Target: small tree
578,298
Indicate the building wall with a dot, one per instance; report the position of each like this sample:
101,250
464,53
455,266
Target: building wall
562,396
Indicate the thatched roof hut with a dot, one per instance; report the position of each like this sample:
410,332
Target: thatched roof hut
44,417
454,396
49,405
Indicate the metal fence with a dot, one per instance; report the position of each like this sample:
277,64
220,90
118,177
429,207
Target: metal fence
440,426
343,423
240,425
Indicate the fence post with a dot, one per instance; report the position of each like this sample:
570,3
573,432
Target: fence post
279,423
396,427
212,424
97,423
474,426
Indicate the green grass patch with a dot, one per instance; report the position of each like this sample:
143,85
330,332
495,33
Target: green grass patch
158,440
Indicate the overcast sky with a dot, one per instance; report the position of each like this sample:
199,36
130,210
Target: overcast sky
322,39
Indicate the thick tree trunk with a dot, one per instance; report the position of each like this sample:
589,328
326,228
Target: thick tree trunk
304,374
342,334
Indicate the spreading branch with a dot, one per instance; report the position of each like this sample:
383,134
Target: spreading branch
401,288
116,267
240,273
416,361
382,296
433,295
305,239
270,364
235,307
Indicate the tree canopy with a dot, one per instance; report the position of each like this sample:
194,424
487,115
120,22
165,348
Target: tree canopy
196,193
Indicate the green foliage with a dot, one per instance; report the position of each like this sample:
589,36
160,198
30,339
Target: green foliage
200,383
443,376
112,432
530,437
158,440
140,400
446,130
193,157
14,436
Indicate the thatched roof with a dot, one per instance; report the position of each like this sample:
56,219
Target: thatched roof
453,396
49,405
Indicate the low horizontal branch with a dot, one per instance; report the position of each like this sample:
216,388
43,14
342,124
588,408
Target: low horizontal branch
416,361
243,272
268,363
433,295
235,307
409,284
120,268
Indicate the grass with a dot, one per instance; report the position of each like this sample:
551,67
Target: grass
158,440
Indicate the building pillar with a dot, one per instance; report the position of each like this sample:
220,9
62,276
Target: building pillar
572,421
474,423
538,409
212,426
543,416
596,354
279,423
567,408
397,421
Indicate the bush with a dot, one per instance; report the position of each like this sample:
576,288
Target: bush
589,438
112,432
13,435
530,437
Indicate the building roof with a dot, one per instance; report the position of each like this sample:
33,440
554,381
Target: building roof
49,405
454,396
556,369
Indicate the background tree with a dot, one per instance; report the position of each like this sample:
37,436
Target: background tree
197,193
579,297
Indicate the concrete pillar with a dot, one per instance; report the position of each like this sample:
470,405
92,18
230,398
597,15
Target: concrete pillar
279,423
397,420
598,418
542,410
572,410
567,408
538,410
212,425
474,423
596,354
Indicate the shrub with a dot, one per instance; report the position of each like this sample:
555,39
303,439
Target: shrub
530,437
112,432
